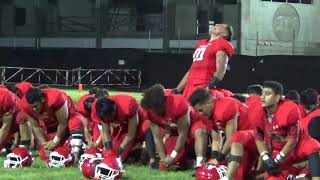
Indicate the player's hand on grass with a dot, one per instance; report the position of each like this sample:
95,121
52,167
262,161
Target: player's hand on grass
50,145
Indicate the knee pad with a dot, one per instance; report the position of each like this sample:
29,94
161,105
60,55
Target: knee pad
231,158
314,164
76,141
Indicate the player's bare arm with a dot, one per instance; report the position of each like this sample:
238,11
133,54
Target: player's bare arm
106,135
231,127
37,130
7,121
158,140
132,129
62,115
182,127
221,64
25,132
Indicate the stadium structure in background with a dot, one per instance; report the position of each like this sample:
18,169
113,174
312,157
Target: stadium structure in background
262,27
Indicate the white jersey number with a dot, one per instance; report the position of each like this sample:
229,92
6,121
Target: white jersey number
198,54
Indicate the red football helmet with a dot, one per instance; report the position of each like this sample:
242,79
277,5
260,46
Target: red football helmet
19,157
60,157
211,172
88,167
90,153
110,167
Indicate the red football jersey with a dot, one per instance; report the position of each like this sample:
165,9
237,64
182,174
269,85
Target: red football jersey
204,59
176,107
224,109
23,87
54,99
80,105
281,126
251,100
303,112
10,103
2,86
126,108
305,121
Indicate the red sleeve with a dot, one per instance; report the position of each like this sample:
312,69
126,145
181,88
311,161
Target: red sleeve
57,100
225,46
132,108
226,109
293,125
181,106
7,103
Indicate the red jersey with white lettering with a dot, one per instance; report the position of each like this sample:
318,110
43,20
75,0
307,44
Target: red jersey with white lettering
23,87
176,107
204,59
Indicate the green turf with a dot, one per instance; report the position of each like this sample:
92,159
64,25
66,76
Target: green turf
40,171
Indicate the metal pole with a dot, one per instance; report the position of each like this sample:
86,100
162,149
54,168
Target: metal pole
99,25
79,76
165,36
149,41
293,37
257,43
179,38
3,77
67,77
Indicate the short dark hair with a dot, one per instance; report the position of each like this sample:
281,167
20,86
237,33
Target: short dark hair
199,96
293,95
105,107
93,90
33,95
239,97
229,35
309,97
254,89
101,93
276,87
153,97
313,128
87,104
12,87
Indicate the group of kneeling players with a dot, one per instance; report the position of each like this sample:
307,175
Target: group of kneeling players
217,133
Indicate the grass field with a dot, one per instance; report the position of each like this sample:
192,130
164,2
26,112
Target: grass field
40,171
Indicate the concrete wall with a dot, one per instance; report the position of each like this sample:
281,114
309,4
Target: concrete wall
275,23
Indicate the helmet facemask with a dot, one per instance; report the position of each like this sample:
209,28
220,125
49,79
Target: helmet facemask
104,172
58,160
14,161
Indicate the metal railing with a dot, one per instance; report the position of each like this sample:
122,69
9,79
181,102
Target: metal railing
130,78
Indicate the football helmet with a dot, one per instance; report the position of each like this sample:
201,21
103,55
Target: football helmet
60,157
90,153
88,167
211,172
19,157
110,167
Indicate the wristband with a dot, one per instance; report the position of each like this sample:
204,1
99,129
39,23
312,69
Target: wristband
56,139
280,156
173,154
214,82
263,153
